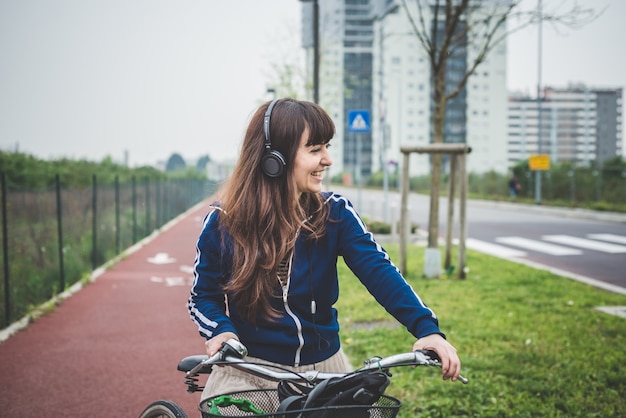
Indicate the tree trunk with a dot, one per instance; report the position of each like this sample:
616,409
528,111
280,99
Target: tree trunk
439,114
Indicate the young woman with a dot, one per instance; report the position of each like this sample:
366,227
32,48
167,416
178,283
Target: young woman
266,263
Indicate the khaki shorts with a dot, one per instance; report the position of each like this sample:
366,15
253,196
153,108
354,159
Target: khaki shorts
228,379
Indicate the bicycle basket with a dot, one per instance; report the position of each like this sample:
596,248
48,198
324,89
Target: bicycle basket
267,400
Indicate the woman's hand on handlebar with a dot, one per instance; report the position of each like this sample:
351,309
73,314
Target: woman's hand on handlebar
450,362
215,344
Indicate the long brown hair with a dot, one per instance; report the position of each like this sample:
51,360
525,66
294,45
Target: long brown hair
263,215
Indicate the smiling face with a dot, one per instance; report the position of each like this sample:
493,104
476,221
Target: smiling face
310,164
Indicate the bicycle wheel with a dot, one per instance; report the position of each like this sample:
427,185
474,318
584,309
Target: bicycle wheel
163,409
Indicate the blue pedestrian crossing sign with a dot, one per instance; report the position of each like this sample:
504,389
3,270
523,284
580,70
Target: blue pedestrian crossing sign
359,121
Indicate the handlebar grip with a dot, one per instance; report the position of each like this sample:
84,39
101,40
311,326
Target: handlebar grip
233,347
434,356
430,353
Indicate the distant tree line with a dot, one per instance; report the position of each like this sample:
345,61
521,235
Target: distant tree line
28,171
176,163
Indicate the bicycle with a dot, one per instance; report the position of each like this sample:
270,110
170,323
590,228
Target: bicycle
258,402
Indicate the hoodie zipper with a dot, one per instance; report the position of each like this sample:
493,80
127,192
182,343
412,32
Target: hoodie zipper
293,316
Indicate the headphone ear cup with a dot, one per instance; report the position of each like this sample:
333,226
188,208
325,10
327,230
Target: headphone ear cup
273,163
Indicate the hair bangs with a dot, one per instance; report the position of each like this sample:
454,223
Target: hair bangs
321,126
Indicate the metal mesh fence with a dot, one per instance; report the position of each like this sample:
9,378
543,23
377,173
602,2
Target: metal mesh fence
52,238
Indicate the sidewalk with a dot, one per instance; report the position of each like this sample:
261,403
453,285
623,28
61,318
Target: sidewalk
112,348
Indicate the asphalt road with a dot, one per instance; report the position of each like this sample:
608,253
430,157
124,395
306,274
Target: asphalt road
585,245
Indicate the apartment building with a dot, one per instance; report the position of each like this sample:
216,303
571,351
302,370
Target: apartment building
370,59
345,74
579,124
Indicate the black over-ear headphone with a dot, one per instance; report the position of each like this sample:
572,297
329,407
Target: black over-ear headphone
273,163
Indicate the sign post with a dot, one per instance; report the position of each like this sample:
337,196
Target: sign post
359,122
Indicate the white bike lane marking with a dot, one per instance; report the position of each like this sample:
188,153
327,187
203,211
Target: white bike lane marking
163,258
173,281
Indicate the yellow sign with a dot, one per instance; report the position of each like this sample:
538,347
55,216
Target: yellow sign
539,162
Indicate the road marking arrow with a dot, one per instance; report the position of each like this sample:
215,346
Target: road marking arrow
172,281
186,269
161,258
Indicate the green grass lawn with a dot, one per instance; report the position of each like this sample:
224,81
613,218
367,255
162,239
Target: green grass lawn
532,343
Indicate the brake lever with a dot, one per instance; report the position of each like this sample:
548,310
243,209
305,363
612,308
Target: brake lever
231,347
436,361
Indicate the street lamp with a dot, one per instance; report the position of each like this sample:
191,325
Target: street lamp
384,128
539,109
316,47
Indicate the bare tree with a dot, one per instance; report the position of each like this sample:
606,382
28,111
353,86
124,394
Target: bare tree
286,74
449,26
289,64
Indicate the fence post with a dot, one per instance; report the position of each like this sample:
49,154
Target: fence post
134,199
60,233
118,232
94,221
147,199
166,200
5,252
157,202
624,182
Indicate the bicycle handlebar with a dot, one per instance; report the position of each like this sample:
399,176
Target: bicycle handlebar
233,352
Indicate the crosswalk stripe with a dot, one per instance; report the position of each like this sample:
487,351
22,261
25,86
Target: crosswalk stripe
620,239
539,246
586,243
494,249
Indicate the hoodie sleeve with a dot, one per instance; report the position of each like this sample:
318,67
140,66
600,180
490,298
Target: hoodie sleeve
207,304
374,268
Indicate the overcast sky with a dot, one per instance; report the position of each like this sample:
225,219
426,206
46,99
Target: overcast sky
96,78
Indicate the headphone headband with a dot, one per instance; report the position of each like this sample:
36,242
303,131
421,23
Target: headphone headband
272,163
266,123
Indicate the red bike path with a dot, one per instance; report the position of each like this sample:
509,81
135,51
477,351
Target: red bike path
111,348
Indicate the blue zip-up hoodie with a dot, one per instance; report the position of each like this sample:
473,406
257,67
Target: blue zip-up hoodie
308,330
